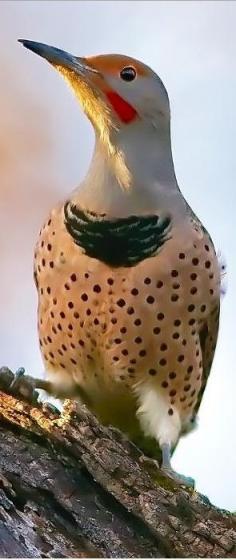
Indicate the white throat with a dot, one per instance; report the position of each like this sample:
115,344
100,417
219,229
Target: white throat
135,175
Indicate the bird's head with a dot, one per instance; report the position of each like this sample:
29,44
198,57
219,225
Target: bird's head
128,106
115,91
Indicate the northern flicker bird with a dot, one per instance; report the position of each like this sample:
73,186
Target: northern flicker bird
127,276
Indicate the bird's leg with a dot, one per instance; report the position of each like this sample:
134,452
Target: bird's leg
167,468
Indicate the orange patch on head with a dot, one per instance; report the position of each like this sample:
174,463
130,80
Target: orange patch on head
114,63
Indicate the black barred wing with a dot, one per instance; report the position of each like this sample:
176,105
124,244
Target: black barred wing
117,242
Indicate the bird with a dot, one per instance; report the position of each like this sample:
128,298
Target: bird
127,276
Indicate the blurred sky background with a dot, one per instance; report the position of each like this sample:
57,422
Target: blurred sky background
45,148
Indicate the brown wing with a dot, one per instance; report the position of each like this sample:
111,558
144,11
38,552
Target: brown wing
208,339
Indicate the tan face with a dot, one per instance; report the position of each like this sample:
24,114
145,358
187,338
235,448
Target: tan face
114,89
123,79
118,74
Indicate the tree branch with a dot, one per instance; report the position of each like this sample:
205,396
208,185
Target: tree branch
70,487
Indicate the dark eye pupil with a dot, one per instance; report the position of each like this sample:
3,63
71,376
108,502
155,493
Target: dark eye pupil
128,74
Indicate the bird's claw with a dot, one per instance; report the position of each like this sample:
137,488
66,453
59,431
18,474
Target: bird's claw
50,408
15,381
6,378
18,384
179,478
149,463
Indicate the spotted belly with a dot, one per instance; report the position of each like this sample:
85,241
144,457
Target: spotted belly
112,330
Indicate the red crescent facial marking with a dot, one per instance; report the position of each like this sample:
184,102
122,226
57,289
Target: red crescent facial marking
124,110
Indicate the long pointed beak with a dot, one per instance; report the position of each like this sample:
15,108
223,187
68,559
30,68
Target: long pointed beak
57,57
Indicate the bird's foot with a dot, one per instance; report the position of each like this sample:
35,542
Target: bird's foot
179,478
50,408
152,465
171,473
19,384
149,462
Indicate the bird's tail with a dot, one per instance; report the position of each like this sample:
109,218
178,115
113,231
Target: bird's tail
223,273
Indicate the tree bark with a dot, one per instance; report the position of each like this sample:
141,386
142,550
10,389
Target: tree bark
70,487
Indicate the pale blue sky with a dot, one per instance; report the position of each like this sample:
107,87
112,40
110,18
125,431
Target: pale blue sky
192,46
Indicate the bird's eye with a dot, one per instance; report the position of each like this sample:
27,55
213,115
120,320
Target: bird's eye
128,74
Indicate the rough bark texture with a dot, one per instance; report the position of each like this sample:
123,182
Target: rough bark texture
72,488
